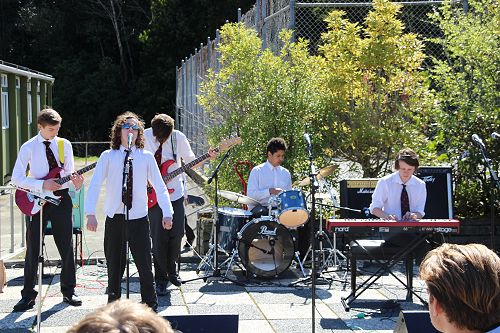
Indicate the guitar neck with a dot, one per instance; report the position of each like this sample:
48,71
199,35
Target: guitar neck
187,166
65,179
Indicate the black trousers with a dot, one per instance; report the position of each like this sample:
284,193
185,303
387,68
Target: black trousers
62,230
115,234
190,236
166,243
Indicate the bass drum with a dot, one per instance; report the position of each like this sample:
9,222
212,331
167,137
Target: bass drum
266,248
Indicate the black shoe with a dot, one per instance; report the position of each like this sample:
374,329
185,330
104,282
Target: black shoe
161,289
175,280
24,304
73,300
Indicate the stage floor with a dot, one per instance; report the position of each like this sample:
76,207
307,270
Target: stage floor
263,305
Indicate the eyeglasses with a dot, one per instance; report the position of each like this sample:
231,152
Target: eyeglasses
128,126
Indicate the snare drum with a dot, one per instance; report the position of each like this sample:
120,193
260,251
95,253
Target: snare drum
231,220
292,210
266,248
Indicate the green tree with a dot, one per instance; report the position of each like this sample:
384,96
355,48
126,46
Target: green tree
468,82
258,95
377,96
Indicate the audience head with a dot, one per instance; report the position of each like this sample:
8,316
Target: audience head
123,316
463,282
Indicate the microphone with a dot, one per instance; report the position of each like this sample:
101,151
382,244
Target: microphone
478,140
495,135
307,137
129,140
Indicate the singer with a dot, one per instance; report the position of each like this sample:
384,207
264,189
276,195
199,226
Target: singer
127,131
41,154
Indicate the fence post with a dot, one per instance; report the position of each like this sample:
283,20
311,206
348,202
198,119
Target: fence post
291,24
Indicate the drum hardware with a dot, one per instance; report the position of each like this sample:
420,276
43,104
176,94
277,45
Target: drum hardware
238,198
324,172
213,252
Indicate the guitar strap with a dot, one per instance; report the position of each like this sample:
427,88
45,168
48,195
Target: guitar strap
60,149
174,145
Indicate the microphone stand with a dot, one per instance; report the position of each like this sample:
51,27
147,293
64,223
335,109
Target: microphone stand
126,169
215,247
494,183
314,185
41,202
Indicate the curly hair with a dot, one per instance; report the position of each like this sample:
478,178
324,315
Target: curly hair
465,280
275,144
116,130
123,316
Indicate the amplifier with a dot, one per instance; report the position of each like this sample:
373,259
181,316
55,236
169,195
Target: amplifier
438,181
357,194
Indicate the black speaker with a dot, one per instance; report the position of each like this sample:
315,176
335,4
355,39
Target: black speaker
357,194
206,323
414,322
438,181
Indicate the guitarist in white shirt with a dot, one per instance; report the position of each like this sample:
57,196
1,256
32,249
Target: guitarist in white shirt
167,243
34,154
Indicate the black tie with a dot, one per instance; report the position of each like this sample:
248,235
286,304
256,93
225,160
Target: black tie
158,155
50,156
127,196
405,201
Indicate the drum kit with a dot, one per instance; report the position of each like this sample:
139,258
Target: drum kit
262,240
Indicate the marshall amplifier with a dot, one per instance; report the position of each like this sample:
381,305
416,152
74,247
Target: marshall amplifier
357,194
438,181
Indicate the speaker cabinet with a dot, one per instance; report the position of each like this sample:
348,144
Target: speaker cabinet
207,323
414,322
438,181
357,194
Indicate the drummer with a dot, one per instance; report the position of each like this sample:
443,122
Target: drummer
269,178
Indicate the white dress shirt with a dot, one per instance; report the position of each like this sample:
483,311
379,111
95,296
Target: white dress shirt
33,153
110,168
263,177
183,149
387,195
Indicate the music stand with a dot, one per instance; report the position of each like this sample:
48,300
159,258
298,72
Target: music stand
41,202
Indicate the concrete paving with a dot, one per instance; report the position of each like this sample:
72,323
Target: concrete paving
263,305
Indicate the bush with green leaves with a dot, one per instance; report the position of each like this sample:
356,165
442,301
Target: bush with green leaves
377,94
259,95
468,80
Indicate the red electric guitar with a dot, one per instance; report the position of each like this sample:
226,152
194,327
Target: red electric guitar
223,146
30,205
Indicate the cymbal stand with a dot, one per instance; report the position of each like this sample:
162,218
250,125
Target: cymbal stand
335,252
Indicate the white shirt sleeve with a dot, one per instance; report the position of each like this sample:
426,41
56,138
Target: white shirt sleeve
93,190
253,189
379,196
420,200
184,148
19,177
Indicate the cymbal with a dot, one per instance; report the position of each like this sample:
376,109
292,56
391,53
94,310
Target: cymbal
324,172
238,197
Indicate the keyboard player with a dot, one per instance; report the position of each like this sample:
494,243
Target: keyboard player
401,195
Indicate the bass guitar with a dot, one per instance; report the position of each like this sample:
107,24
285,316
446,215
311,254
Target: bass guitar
30,205
168,176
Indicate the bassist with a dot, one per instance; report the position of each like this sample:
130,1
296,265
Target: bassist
169,146
41,155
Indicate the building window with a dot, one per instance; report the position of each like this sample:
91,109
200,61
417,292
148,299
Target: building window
5,102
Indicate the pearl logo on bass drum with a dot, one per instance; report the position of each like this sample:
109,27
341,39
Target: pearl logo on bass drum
265,232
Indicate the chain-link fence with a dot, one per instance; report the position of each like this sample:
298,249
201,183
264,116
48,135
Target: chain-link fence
269,17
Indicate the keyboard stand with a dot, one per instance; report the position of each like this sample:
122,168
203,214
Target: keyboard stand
386,267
